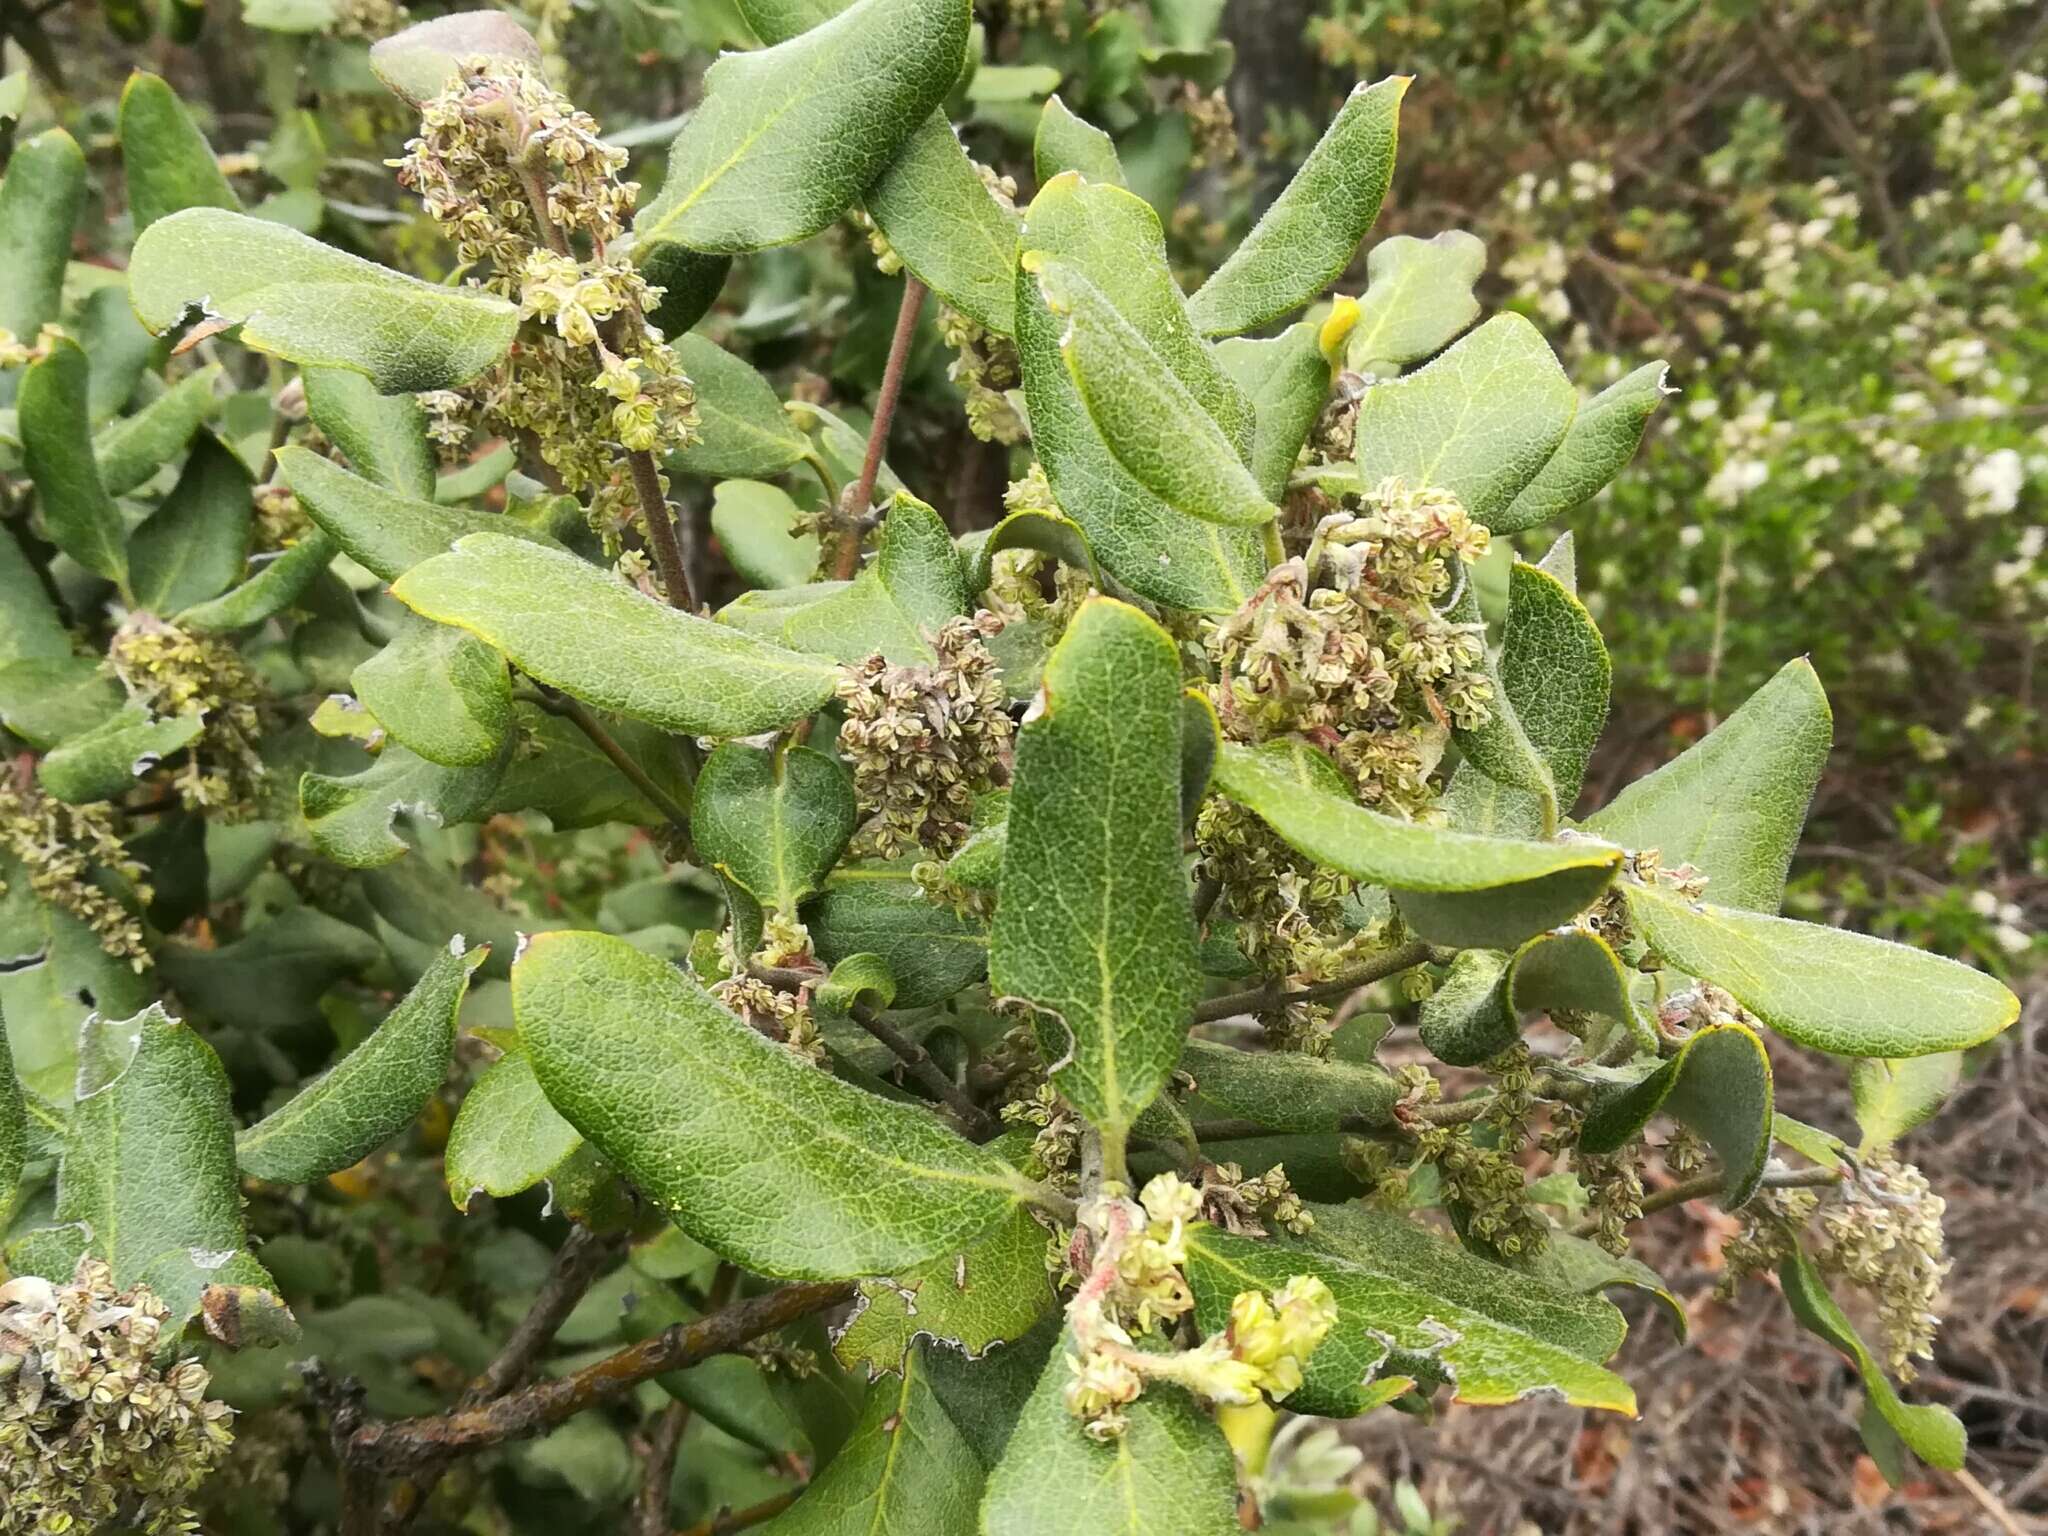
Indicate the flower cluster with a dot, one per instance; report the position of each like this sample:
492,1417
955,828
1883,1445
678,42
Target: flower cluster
1882,1234
925,740
60,847
985,368
1240,1203
94,1430
1484,1185
1055,1155
184,672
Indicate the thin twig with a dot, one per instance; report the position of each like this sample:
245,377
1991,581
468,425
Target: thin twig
1265,999
651,1515
661,529
576,714
407,1444
863,493
1702,1185
740,1519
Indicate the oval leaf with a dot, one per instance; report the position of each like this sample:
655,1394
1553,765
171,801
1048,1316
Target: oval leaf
441,691
741,425
772,822
506,1137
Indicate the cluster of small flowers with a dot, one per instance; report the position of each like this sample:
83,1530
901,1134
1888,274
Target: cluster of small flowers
16,353
1882,1234
93,1430
59,847
183,672
1055,1155
783,1016
1288,906
925,740
1486,1184
368,20
985,369
1245,1204
1211,124
1614,1186
1769,1236
280,520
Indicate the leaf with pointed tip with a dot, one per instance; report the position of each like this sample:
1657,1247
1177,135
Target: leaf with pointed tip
440,691
104,762
276,585
380,529
742,427
993,1290
149,1162
506,1137
1575,970
194,546
1289,1091
1894,1097
314,305
583,630
678,1094
1170,1470
384,436
373,1092
787,138
131,450
1467,1019
908,591
1308,236
1719,1084
1418,298
1095,925
1065,142
1480,421
756,525
1733,803
946,226
1530,886
56,446
772,822
351,818
1840,992
1287,380
1603,437
39,202
165,160
931,950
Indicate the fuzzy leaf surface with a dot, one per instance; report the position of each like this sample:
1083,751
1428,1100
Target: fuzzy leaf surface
195,545
1719,1084
440,691
381,529
351,818
1066,142
772,822
56,445
104,762
506,1137
743,429
132,449
1289,1091
166,162
993,1290
384,436
1418,298
940,217
39,202
930,949
1287,380
908,590
1894,1097
1604,435
756,527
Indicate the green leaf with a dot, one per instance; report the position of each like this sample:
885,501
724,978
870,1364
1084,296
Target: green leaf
911,587
787,138
39,203
773,822
1719,1084
351,818
424,59
104,762
56,445
1733,803
1824,1148
133,449
506,1137
1839,992
1051,533
194,546
1480,421
1287,381
1095,926
1467,1019
54,976
440,691
384,436
1151,422
385,532
743,429
1065,142
31,629
149,1162
1576,971
277,584
1170,1470
373,1092
756,527
690,282
1932,1433
676,1093
1410,1303
13,1129
1418,298
47,700
1603,438
274,975
314,305
1531,886
431,904
165,159
905,1471
1288,1091
561,773
1579,1264
947,227
1894,1097
993,1290
1308,236
583,630
931,950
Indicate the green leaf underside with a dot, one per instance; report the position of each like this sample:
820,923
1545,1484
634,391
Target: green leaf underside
787,138
911,587
1604,435
1171,1469
1309,234
931,950
1844,993
772,822
1287,380
1052,533
132,449
384,436
149,1162
56,446
743,429
1732,804
275,586
39,202
1414,1304
1467,1019
314,305
166,162
755,524
1579,1264
1555,673
1095,924
1418,297
942,220
440,691
1894,1097
992,1291
1576,971
581,629
506,1137
1288,1091
694,1107
1065,142
374,1092
1480,421
1719,1084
